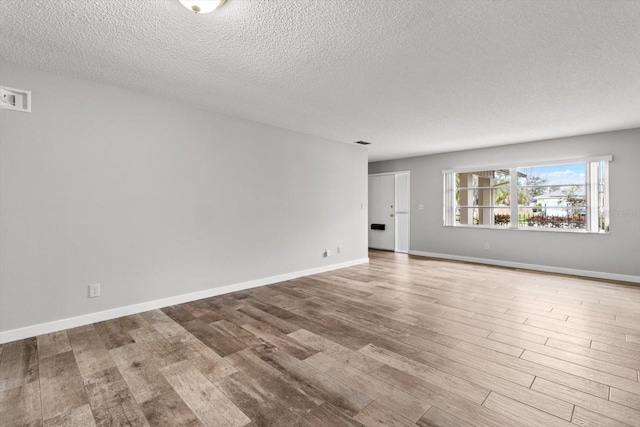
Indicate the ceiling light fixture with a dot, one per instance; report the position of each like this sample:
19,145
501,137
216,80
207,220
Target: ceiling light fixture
202,6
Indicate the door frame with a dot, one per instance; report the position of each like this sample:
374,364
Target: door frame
395,199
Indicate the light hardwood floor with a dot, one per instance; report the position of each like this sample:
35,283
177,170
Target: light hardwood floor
398,342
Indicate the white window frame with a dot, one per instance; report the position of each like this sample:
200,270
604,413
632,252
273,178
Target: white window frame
593,165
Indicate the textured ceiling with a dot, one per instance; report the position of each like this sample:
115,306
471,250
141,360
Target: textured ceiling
412,77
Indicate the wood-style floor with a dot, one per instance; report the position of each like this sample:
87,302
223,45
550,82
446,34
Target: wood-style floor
399,342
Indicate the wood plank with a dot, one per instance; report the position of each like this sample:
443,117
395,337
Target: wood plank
435,417
460,332
328,415
610,348
553,373
79,416
179,314
222,337
300,397
574,358
612,358
234,316
111,399
202,311
625,398
343,354
257,314
271,335
453,384
532,313
413,335
343,333
335,392
19,363
604,407
376,414
537,329
575,329
208,403
61,385
521,412
212,365
632,386
53,344
519,393
169,410
163,323
163,351
261,404
20,406
497,369
114,333
90,352
436,396
140,371
394,399
586,418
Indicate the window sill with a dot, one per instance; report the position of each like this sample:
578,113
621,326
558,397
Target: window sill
534,229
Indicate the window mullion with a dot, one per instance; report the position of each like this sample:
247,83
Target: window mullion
592,196
449,198
513,199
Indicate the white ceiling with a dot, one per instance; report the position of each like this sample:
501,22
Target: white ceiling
412,77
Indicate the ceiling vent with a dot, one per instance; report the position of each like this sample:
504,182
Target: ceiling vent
363,142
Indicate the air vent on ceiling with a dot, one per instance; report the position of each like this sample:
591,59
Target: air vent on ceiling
363,142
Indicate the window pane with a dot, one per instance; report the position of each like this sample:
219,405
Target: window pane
552,196
557,217
482,198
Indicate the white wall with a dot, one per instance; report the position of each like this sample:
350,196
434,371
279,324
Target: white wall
615,253
102,185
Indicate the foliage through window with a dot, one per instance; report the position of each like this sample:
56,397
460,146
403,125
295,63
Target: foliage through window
556,196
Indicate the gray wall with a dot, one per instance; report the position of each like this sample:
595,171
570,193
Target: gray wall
152,200
615,253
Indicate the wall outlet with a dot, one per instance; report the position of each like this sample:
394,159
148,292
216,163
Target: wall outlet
338,250
487,246
94,290
327,253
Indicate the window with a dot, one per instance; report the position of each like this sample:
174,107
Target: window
560,196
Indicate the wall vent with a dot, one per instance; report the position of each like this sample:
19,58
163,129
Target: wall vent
15,99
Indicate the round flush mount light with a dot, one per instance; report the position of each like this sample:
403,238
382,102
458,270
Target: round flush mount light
202,6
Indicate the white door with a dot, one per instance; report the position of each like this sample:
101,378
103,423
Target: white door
382,212
402,212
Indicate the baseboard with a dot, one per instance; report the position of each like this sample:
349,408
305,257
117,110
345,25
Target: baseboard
536,267
86,319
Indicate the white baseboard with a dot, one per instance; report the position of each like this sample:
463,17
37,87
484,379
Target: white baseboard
86,319
545,268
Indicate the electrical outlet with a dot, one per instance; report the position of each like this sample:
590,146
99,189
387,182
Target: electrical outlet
94,290
338,250
487,246
327,253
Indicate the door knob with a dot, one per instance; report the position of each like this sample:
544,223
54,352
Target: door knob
391,215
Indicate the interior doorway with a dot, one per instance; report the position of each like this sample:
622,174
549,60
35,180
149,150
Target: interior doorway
389,211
